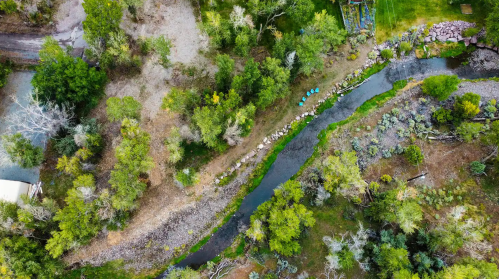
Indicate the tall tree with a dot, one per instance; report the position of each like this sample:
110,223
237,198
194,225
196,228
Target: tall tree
225,72
493,25
103,18
21,151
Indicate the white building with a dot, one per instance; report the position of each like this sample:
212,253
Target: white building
11,191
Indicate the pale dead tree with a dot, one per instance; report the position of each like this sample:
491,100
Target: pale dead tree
220,270
237,17
87,194
106,209
330,273
233,133
290,60
36,119
96,48
478,249
39,213
189,134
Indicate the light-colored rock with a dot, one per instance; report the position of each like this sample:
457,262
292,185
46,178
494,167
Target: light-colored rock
260,146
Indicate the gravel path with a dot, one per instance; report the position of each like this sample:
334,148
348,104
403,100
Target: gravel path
487,89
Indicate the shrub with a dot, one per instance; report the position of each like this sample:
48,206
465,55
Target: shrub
414,155
440,87
468,131
5,70
118,109
187,177
162,47
21,151
372,55
443,115
374,186
490,109
386,153
8,6
386,178
477,168
405,47
352,57
361,39
466,106
373,150
470,32
387,53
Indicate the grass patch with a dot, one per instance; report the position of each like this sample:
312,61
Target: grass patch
198,245
330,221
396,16
226,180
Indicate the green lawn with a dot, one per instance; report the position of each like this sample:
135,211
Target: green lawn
396,16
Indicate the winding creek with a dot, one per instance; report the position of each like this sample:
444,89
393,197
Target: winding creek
295,153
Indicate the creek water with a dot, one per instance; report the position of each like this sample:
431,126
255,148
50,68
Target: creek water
18,84
296,152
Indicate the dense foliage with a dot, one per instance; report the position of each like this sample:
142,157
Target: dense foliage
414,155
440,87
21,151
66,80
281,220
118,109
133,161
5,70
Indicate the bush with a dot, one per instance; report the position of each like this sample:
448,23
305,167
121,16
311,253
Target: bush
387,53
21,151
477,168
468,131
162,48
470,32
440,87
490,109
352,57
373,150
118,109
374,186
372,55
443,115
187,177
414,155
466,106
8,6
386,178
405,47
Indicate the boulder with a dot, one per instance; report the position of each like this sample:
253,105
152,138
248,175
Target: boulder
466,42
427,39
260,146
474,40
480,44
454,40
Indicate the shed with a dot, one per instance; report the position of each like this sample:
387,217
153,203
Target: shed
11,191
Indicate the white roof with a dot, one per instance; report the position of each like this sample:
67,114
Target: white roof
11,191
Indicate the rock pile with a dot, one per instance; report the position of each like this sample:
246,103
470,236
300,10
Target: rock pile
449,31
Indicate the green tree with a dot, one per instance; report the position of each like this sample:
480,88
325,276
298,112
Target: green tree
283,46
398,206
469,131
493,25
274,82
120,108
281,219
133,160
27,258
325,27
440,87
391,260
443,115
249,81
218,29
103,18
414,155
78,220
181,101
466,106
342,175
210,122
8,6
487,270
243,44
173,144
65,80
21,151
301,11
309,52
225,72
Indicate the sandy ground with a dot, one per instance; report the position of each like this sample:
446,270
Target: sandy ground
69,15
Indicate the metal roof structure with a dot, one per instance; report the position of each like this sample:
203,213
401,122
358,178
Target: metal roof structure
11,191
